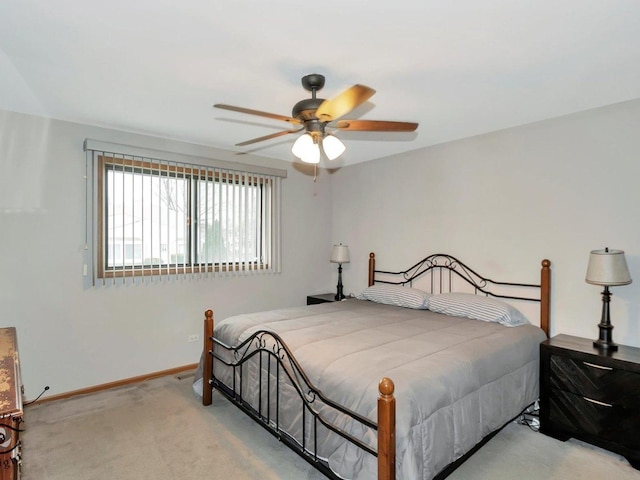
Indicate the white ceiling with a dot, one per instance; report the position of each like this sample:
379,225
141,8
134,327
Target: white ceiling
459,68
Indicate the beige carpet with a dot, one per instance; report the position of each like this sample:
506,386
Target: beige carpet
159,430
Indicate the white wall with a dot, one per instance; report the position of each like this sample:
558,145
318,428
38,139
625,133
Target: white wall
502,202
71,337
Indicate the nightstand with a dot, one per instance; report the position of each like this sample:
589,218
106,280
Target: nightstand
591,396
321,298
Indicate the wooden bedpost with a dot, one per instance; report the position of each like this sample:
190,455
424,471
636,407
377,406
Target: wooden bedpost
545,296
207,371
386,430
372,267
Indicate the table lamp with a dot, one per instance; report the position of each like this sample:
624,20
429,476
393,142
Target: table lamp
607,268
340,255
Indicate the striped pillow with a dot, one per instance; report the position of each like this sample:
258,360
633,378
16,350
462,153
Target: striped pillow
396,295
477,307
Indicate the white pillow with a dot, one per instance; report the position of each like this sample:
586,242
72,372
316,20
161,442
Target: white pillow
477,307
396,295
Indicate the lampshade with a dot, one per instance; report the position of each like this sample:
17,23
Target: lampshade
305,148
301,145
607,267
332,146
340,254
312,155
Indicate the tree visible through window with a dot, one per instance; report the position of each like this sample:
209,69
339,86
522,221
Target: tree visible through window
164,217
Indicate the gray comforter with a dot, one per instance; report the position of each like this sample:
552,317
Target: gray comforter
456,379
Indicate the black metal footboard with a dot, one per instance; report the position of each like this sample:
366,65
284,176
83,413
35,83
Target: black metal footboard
320,424
277,367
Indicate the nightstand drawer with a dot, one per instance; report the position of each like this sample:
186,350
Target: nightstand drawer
591,395
595,381
583,415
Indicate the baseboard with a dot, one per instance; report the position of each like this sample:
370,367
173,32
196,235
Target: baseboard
119,383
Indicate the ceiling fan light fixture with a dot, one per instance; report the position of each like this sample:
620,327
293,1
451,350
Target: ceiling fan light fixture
306,149
302,145
332,146
312,155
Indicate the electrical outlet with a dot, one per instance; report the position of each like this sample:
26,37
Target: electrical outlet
194,337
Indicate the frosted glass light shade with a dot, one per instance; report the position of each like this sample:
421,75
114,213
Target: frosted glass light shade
332,146
607,267
312,155
302,145
306,149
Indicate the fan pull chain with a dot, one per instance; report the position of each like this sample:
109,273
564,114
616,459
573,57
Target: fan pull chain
315,172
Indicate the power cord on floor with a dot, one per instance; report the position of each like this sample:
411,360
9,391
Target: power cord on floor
37,398
530,417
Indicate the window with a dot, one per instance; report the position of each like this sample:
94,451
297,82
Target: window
154,217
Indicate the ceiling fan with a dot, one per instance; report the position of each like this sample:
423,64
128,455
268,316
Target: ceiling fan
316,115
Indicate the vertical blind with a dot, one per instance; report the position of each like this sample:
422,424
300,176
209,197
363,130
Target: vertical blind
153,216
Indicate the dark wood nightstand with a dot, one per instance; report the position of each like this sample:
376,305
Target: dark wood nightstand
591,396
321,298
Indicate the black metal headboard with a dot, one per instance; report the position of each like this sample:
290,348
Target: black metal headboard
443,269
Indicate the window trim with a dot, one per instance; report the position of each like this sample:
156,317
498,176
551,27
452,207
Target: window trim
97,161
177,269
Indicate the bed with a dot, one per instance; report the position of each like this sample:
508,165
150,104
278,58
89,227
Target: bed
405,381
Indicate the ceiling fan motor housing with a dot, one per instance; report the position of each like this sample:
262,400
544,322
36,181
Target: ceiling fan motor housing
306,109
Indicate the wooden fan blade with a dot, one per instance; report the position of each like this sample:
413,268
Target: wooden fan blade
273,116
375,126
267,137
345,102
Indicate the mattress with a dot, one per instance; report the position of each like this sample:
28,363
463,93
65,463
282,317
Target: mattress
456,379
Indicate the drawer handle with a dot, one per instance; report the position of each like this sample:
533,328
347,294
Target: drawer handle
597,402
601,367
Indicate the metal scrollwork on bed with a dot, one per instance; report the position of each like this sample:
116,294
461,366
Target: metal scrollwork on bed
275,361
443,269
267,343
440,263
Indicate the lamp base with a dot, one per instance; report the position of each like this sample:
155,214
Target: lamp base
605,346
605,338
339,295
